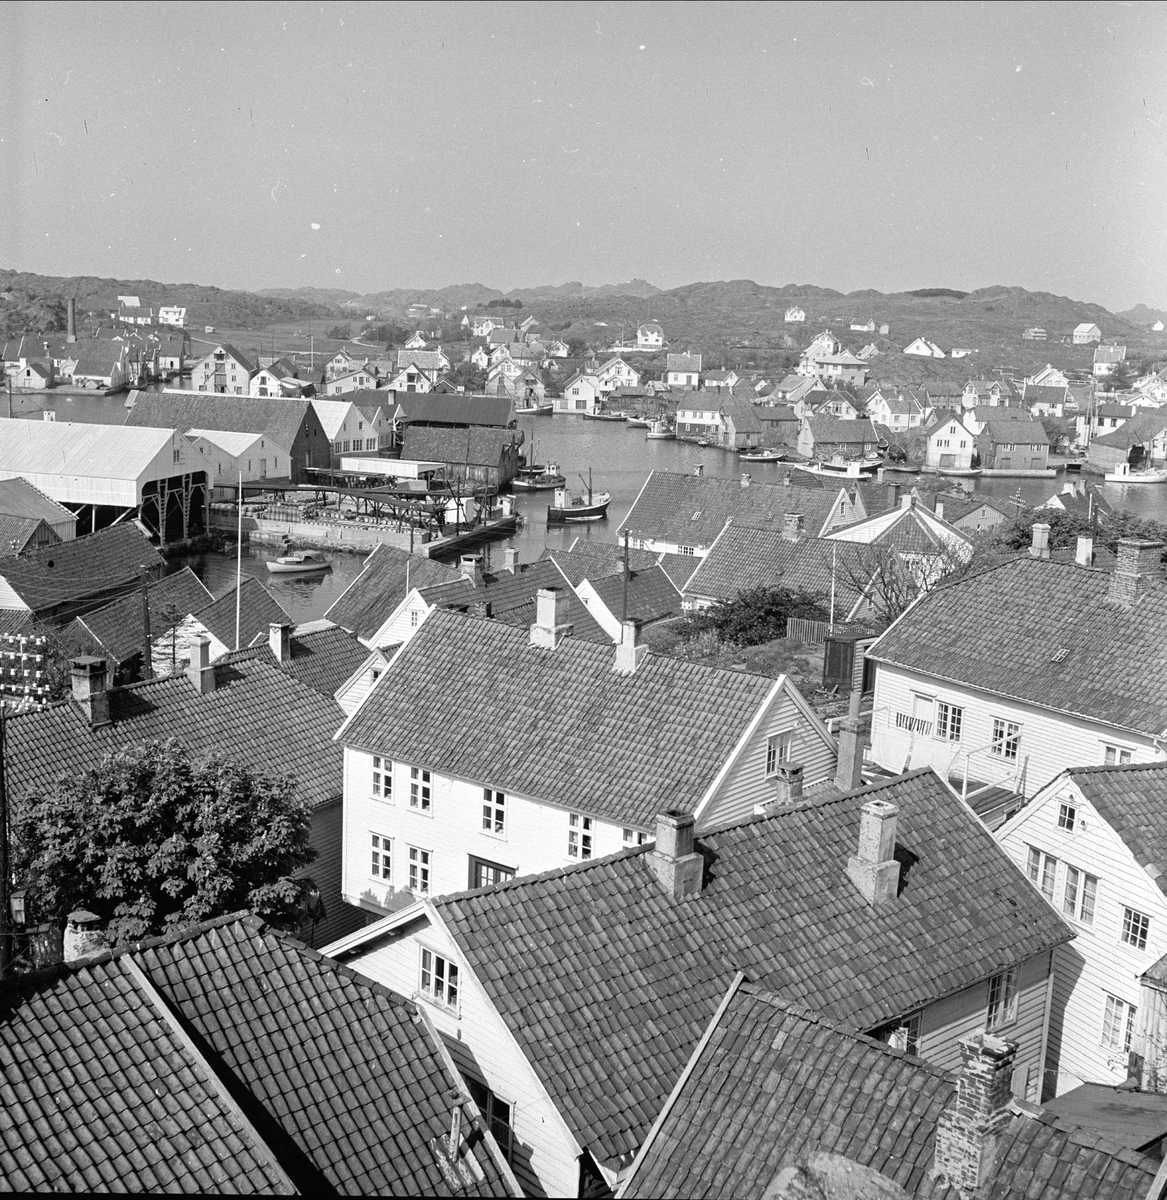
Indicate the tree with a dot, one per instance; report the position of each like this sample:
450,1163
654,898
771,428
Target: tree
155,838
577,347
757,615
339,332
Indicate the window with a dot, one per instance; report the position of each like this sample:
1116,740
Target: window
1079,895
382,786
484,873
1115,756
381,857
178,456
439,979
1136,927
1118,1025
414,617
901,1035
687,550
419,789
579,836
1006,739
635,837
1067,816
495,1112
1043,871
779,747
494,816
949,721
1002,999
419,871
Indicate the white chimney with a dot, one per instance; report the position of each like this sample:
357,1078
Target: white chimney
630,651
199,671
787,780
279,638
84,936
551,624
1040,546
674,861
745,479
510,559
940,510
699,469
1084,555
471,567
87,679
874,870
793,525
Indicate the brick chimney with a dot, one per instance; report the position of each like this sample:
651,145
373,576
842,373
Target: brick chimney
1039,548
84,935
787,781
745,479
849,766
510,559
551,624
482,608
630,651
87,681
279,638
1084,555
939,509
677,866
199,670
699,469
471,567
969,1129
874,870
1138,564
893,495
792,526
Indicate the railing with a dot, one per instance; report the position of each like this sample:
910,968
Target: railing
914,725
811,633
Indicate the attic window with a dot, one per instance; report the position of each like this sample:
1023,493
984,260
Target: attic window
1060,654
696,515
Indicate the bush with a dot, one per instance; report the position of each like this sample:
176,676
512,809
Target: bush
758,615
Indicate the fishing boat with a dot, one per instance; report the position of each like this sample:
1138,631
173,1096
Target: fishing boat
605,416
567,509
838,467
639,422
300,563
538,478
761,456
960,472
535,408
660,431
1125,473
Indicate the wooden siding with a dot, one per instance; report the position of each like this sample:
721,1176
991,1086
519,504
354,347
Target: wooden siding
545,1155
399,625
1049,740
1097,963
325,872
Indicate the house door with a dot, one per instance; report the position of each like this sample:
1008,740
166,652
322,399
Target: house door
263,468
947,460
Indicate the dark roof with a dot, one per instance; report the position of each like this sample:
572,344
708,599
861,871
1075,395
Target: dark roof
956,507
1036,393
594,560
683,362
105,1092
258,610
692,510
117,627
652,595
17,532
742,414
323,656
776,1083
475,445
388,573
1014,430
257,715
428,408
1116,666
280,419
19,498
86,566
1138,430
1133,1119
825,428
600,975
562,726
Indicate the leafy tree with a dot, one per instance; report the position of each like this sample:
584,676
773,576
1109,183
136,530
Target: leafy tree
758,615
577,347
339,332
1058,430
155,838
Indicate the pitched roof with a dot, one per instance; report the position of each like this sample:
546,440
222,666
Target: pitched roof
601,975
312,1107
256,715
16,532
279,419
825,428
19,498
429,360
1138,430
323,656
683,362
475,445
1115,665
86,566
652,595
745,1110
258,609
692,510
1036,393
386,577
743,415
561,726
118,629
587,559
998,429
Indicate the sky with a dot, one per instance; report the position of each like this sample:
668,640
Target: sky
373,146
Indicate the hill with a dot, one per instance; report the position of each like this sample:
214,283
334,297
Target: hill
1142,315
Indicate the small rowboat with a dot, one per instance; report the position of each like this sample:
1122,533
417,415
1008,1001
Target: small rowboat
761,456
300,563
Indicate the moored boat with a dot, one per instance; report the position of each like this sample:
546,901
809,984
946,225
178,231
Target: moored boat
839,467
960,472
299,563
538,478
660,431
761,456
535,409
588,506
640,422
1124,473
605,416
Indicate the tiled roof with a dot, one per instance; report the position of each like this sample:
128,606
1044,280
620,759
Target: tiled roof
388,574
600,975
106,1094
683,362
258,609
256,715
1085,656
1117,410
956,507
998,429
1036,393
86,566
16,532
586,559
652,595
18,498
1138,430
825,428
692,510
776,1083
428,359
323,656
911,530
561,725
475,445
117,627
743,416
279,419
1110,354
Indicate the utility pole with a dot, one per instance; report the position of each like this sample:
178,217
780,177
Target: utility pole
147,655
624,601
5,867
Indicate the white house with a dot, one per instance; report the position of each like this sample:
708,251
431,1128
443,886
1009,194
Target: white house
358,380
683,370
650,336
1107,360
222,369
1049,376
168,314
354,430
951,446
824,345
616,373
416,342
1085,841
923,348
1086,333
581,394
794,316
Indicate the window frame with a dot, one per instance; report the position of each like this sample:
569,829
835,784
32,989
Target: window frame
1136,928
949,717
1079,895
421,791
634,837
580,836
450,976
1067,816
381,778
384,852
779,749
1004,983
1112,755
494,813
1041,866
1114,1009
420,863
486,1100
477,863
1002,738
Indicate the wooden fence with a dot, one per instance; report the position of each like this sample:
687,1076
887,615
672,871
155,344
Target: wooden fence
812,633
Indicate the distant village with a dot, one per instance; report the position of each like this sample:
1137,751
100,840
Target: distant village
591,913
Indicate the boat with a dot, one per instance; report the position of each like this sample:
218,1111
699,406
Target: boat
660,431
640,422
605,416
567,509
299,563
535,409
838,467
960,472
538,478
761,456
1124,473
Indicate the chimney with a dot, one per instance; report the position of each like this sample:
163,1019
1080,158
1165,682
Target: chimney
1138,563
199,670
787,780
1040,545
792,526
699,469
939,509
71,335
87,679
849,767
677,866
968,1131
745,479
471,567
510,559
630,651
893,495
874,870
1084,555
482,608
84,936
551,624
907,501
279,638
